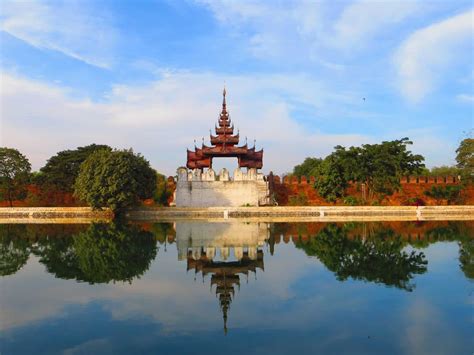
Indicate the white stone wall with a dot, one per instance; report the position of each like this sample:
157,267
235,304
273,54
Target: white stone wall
205,189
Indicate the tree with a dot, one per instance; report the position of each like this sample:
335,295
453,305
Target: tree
62,169
332,176
378,166
161,193
445,170
465,158
309,167
14,174
115,179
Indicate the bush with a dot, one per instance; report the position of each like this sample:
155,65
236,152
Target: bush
352,201
299,200
449,193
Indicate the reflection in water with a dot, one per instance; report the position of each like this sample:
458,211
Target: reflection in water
375,256
199,243
299,297
99,254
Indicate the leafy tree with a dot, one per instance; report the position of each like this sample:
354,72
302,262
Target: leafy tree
333,174
161,193
465,158
14,174
101,254
309,167
450,193
115,179
378,258
62,169
444,170
378,166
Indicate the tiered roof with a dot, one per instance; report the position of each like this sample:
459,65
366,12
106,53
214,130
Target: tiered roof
224,144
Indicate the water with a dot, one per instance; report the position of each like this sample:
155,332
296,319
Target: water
232,288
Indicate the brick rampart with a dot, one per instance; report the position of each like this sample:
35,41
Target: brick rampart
291,190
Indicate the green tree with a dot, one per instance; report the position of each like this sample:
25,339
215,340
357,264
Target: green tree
116,179
378,166
101,254
161,193
444,170
309,167
62,169
332,177
15,172
465,158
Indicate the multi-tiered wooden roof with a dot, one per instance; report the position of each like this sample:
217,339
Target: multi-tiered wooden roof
224,144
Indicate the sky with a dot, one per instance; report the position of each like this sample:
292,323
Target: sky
301,76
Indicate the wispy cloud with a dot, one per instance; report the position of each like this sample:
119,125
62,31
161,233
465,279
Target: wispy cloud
469,98
161,119
164,117
425,55
74,28
309,28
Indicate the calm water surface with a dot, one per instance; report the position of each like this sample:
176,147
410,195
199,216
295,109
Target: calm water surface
233,288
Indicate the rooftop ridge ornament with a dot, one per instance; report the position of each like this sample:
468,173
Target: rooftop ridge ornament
224,144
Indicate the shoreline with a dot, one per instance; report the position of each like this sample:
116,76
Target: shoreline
271,214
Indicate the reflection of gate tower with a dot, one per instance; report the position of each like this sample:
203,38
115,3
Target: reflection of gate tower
207,247
199,187
225,275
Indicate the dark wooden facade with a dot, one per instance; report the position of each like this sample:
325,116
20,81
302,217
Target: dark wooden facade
224,145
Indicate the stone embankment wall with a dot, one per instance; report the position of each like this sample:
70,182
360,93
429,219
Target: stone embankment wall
56,214
206,189
291,190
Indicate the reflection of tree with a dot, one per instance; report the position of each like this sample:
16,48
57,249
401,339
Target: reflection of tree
378,258
14,250
466,257
102,253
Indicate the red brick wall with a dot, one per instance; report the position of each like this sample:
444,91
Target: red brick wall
286,191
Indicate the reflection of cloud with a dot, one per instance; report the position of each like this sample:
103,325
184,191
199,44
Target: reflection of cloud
426,332
96,346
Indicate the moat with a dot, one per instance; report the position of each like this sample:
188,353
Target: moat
200,287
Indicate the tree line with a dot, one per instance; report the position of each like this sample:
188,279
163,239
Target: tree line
95,174
378,168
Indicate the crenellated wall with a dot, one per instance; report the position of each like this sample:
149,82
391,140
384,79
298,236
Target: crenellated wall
197,188
289,190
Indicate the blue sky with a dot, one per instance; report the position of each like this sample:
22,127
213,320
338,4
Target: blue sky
149,75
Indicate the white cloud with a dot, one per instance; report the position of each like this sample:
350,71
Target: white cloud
363,19
163,118
308,29
73,28
426,54
469,98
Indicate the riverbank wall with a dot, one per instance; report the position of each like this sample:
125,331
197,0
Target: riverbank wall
306,213
53,215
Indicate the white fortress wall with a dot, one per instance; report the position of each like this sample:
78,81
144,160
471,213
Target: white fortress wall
198,188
